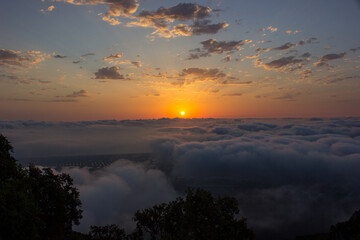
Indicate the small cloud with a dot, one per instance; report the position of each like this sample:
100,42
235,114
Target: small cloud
111,20
203,73
227,58
113,57
287,45
162,21
153,95
49,9
88,54
137,64
81,93
182,30
230,81
354,50
339,79
116,8
289,96
272,29
63,100
109,73
284,64
205,27
44,82
232,95
59,56
212,46
328,57
21,59
250,57
306,55
269,28
289,32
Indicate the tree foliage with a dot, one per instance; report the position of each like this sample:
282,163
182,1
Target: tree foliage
349,230
197,216
35,203
108,232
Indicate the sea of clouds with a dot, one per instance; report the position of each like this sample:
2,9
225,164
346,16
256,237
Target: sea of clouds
290,176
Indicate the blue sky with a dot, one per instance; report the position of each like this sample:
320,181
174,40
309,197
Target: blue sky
290,58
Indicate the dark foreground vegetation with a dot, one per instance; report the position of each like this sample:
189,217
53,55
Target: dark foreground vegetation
39,204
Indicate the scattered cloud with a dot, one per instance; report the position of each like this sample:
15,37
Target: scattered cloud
191,75
205,27
59,56
269,28
116,8
289,96
10,77
88,54
306,55
272,29
112,21
233,81
287,45
232,95
328,57
45,82
161,20
284,64
21,59
113,57
212,46
80,93
180,12
16,99
336,79
63,100
227,58
289,32
109,73
249,57
136,64
354,50
49,9
203,73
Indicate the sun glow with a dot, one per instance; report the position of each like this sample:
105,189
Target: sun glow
181,110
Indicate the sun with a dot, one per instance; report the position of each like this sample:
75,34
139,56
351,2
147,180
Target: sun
182,113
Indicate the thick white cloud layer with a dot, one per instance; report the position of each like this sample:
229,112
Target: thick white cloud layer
291,176
290,179
113,194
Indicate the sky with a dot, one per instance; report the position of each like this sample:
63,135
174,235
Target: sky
71,60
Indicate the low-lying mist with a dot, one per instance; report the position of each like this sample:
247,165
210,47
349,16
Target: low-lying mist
290,176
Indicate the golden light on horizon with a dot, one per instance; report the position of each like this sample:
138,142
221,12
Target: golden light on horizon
183,109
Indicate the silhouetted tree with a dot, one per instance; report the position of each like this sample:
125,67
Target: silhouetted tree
349,230
18,210
199,216
35,203
57,199
108,232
